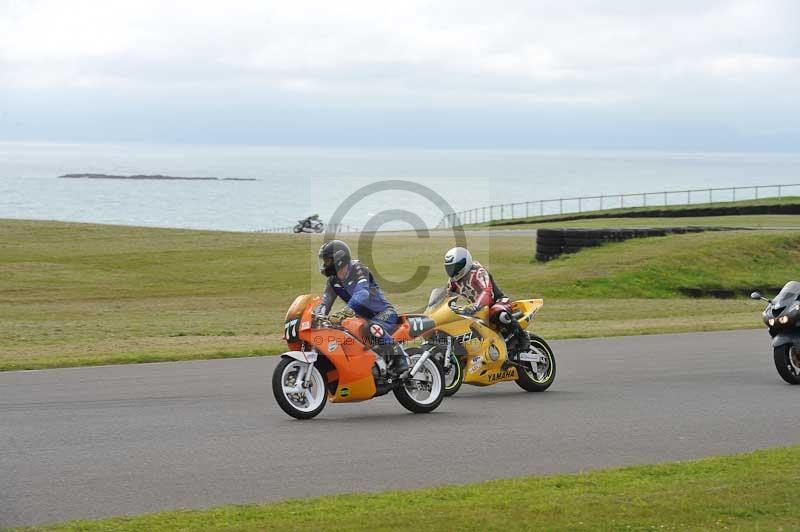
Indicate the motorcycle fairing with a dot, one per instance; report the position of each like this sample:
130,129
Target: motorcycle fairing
347,360
786,338
485,349
527,309
352,362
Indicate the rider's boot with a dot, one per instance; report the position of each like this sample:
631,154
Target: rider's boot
520,341
399,359
395,357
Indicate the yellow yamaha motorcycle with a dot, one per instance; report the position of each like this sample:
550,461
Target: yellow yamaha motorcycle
471,351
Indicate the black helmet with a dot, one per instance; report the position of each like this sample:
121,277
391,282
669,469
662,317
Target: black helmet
333,255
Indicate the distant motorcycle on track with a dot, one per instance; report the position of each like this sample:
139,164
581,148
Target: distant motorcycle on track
782,316
312,224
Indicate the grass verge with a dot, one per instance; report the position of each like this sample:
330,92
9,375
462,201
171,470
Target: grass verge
743,492
759,221
78,294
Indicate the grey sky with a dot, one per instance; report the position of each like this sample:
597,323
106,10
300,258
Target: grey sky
685,75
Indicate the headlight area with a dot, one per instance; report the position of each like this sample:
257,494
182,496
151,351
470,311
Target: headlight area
783,320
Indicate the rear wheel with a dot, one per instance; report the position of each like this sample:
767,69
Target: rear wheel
423,392
537,376
787,362
293,397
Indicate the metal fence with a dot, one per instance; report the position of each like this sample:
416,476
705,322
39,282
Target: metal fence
698,196
337,228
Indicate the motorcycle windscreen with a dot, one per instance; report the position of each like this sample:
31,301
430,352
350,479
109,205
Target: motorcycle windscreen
436,297
787,295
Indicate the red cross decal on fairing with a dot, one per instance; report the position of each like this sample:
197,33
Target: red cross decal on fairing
376,331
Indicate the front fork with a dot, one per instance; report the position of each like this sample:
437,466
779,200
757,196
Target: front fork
305,378
448,352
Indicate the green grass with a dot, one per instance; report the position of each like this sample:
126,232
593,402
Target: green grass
514,223
77,294
755,491
755,221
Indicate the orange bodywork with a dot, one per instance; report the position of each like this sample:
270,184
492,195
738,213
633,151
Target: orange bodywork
350,379
403,332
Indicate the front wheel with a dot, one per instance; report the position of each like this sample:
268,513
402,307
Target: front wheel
293,397
453,376
423,392
787,362
537,376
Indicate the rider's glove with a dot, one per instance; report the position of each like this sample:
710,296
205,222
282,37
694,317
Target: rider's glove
337,317
469,310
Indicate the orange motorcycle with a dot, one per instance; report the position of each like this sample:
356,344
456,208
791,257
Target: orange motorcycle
328,362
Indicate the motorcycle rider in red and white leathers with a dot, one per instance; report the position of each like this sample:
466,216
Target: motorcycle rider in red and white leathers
470,279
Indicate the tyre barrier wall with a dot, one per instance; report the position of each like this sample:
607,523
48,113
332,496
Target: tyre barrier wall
550,243
723,293
708,210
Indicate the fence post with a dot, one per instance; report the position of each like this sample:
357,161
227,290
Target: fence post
528,207
711,195
756,192
541,208
665,198
779,191
601,202
688,197
561,206
734,193
580,204
644,199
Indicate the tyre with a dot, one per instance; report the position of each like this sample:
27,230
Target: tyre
298,402
424,392
453,376
298,229
538,376
453,373
787,362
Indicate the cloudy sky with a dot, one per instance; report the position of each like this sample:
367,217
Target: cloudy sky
561,74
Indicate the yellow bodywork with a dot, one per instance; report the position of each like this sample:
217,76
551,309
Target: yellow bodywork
486,350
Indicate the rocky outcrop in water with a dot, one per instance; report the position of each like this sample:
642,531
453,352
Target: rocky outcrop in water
151,177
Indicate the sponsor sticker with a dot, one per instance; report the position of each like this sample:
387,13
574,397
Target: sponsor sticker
344,392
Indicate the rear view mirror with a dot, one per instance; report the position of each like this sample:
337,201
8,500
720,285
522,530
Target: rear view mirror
755,295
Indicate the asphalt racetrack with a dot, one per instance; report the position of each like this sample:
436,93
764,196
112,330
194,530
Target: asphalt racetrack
102,441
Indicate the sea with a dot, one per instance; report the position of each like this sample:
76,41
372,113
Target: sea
381,189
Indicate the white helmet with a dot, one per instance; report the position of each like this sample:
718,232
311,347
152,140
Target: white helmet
457,262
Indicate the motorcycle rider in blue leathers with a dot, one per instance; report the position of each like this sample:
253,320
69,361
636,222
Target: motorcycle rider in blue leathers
354,283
